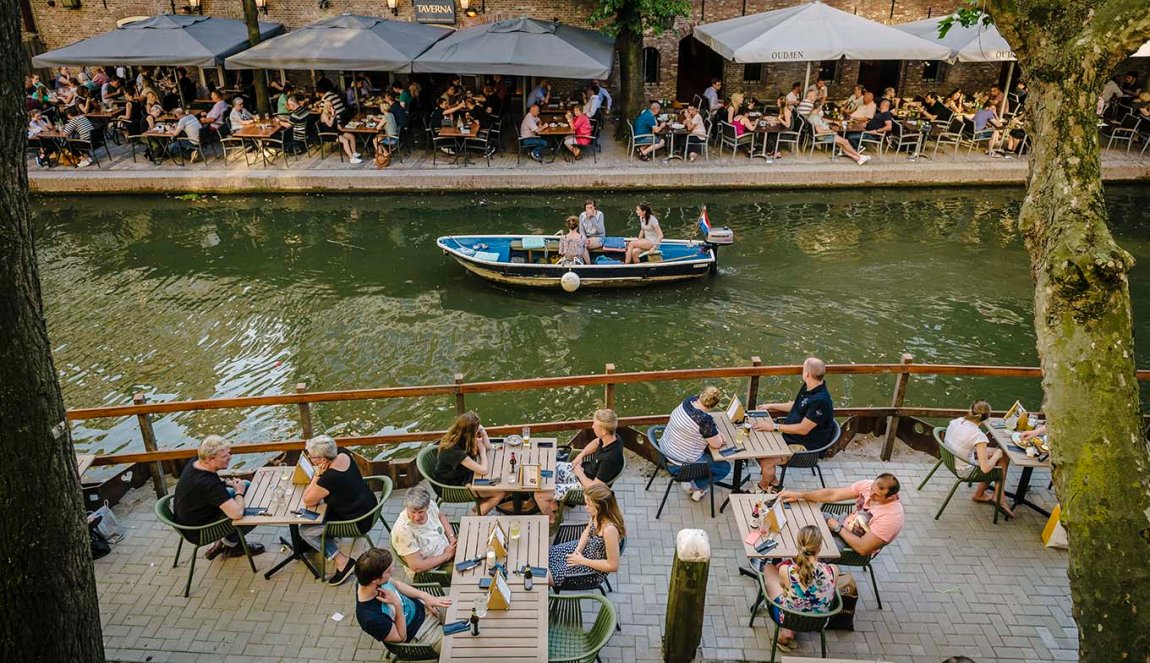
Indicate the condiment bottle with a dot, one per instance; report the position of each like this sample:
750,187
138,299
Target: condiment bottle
474,622
528,582
755,516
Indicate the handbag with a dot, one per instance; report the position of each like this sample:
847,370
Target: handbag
107,525
382,159
99,545
849,594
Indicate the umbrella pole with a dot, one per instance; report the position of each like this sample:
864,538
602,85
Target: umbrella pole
223,77
1006,92
807,80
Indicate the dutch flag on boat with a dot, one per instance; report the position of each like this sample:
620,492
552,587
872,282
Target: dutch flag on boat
704,221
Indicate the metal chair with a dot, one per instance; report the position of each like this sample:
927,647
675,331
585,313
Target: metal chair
480,143
805,622
688,472
355,528
822,141
810,458
901,138
951,136
567,639
634,141
414,651
969,476
730,138
1123,133
848,556
444,493
198,536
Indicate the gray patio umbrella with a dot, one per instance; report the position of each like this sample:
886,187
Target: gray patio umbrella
343,43
521,47
813,31
164,41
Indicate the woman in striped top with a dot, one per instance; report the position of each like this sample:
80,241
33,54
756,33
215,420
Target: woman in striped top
690,436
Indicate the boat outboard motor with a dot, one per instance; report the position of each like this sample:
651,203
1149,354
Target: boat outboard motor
717,237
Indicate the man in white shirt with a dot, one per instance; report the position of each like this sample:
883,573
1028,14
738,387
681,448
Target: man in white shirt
188,133
711,94
794,96
820,87
867,110
422,536
240,117
529,133
592,103
604,95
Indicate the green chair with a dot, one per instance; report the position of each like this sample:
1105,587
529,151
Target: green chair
350,529
848,556
575,497
440,576
969,476
805,622
444,494
198,536
567,641
414,651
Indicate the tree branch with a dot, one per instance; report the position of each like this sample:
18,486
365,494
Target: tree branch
1124,25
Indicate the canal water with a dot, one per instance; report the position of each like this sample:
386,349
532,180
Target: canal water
196,297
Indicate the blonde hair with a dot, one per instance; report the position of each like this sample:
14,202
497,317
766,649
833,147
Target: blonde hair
572,222
212,445
979,412
809,542
606,507
608,419
465,431
710,396
737,100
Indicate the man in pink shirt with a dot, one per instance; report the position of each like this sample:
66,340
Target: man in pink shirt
877,518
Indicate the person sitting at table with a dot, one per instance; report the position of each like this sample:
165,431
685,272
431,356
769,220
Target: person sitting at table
647,130
187,132
820,88
737,114
796,95
388,139
591,102
529,137
1130,86
691,435
810,422
422,536
153,108
215,115
393,611
38,124
66,94
999,98
338,483
112,92
326,90
598,548
880,125
855,100
202,497
808,105
85,102
821,127
878,516
988,125
572,245
328,123
600,461
934,110
592,225
866,109
295,140
889,95
1015,133
79,128
802,583
283,98
396,109
956,102
240,117
465,452
650,234
971,448
696,133
541,95
581,125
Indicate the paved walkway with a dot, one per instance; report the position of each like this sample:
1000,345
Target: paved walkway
959,585
613,171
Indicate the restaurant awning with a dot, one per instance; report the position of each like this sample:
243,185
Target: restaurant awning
811,32
164,40
343,43
977,43
521,47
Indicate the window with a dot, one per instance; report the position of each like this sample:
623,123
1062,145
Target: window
829,70
933,72
650,65
753,73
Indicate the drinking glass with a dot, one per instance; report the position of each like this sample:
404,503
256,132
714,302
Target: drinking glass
526,435
514,530
480,606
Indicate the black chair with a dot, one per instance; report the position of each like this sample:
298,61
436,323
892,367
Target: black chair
480,143
689,472
811,458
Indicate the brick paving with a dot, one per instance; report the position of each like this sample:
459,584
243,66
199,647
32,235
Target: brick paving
959,585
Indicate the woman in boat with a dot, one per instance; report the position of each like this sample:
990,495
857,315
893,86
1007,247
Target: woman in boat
592,225
600,461
464,452
597,550
573,246
802,584
650,234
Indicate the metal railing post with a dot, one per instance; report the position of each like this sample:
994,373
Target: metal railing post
896,403
460,405
149,435
305,413
753,390
609,389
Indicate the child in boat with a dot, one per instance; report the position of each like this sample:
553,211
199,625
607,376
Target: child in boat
573,245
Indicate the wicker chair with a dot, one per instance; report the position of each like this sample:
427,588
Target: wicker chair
811,458
444,494
967,476
848,555
197,536
567,641
351,529
806,622
414,651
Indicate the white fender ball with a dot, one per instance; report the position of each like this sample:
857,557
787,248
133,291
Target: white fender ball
570,281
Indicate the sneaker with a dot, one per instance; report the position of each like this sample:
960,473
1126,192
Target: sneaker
355,155
698,495
688,487
537,157
996,155
196,156
238,550
1008,156
863,160
40,161
356,159
84,163
340,577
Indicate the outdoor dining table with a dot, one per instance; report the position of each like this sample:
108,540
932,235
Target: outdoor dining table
923,128
364,128
743,445
542,452
460,136
766,130
556,133
798,515
261,494
259,133
158,141
1018,457
515,635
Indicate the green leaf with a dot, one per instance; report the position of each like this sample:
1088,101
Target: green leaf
638,16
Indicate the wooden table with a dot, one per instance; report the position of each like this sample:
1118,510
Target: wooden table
755,444
799,515
258,133
766,129
452,131
508,636
261,494
500,461
1018,457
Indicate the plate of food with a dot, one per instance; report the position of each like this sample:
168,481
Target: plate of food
513,440
1016,440
677,126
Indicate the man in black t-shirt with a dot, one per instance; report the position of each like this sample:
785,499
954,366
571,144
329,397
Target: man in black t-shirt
810,421
881,124
295,139
202,497
934,110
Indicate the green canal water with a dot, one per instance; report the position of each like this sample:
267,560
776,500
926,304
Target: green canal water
250,295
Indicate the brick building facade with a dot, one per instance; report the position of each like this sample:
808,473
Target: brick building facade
683,68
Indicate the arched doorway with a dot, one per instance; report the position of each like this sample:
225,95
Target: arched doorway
697,65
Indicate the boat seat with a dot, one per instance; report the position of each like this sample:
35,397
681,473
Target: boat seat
653,255
487,255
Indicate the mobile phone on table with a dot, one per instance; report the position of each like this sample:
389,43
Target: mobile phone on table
484,583
255,511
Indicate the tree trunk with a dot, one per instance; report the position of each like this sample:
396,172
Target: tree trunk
48,609
1101,463
259,76
631,99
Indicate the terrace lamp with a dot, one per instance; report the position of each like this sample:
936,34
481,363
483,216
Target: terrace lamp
467,9
393,6
196,7
262,6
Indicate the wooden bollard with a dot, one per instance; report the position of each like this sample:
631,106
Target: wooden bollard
687,597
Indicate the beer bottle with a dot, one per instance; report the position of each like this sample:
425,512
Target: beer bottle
474,622
528,581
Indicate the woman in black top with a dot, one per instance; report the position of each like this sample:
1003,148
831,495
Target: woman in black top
599,462
337,482
463,454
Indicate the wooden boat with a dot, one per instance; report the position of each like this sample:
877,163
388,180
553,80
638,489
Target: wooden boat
532,260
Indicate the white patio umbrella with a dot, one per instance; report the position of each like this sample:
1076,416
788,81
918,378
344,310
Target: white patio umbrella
977,43
813,31
1143,52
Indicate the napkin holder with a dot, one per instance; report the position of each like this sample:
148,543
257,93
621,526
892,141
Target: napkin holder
499,594
497,541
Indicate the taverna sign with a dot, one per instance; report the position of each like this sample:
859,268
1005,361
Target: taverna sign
440,12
